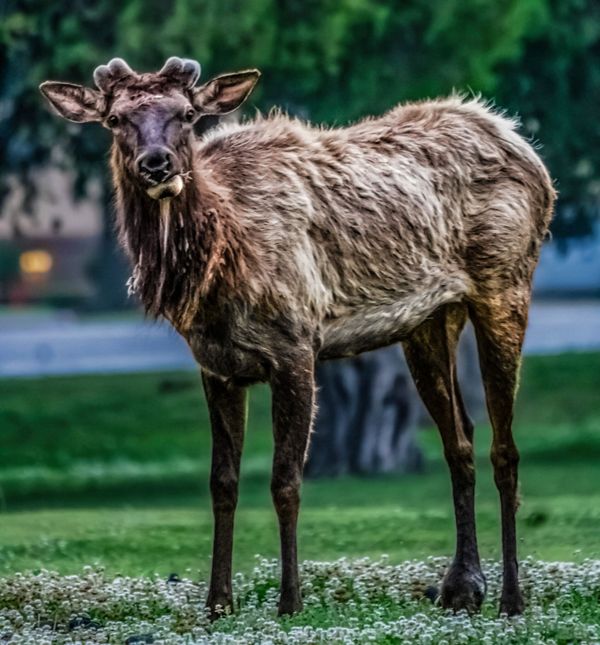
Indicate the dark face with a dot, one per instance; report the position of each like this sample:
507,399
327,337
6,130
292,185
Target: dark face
151,116
153,132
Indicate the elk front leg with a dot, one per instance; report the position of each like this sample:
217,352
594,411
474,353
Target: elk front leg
227,408
293,408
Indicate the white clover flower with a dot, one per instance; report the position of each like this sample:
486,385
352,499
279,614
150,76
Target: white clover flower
359,601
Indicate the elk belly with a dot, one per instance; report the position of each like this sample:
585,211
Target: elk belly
170,188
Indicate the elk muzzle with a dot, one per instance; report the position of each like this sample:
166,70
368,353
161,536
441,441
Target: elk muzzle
156,166
167,189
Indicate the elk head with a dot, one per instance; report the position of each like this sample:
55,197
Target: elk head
151,116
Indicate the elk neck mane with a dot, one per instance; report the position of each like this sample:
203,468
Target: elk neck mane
198,250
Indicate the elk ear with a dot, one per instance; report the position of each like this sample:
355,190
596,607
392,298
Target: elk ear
73,102
225,93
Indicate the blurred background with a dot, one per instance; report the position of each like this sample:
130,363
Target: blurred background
104,432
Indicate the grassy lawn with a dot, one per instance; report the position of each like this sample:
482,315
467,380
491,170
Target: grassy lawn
114,469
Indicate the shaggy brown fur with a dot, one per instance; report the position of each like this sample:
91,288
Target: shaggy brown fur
290,243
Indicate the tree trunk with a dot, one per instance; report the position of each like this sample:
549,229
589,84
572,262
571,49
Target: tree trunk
369,412
367,418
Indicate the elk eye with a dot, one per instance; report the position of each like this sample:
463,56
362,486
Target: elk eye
190,115
112,120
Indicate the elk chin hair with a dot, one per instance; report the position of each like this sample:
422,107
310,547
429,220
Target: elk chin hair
166,190
165,227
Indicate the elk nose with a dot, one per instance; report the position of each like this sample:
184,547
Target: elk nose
155,163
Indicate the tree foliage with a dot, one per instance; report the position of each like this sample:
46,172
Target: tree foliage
327,60
555,87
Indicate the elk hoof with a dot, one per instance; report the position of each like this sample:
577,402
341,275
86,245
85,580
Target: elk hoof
512,604
463,589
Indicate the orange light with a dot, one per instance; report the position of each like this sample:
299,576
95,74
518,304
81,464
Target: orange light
35,262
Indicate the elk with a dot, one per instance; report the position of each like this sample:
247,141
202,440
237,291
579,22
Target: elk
270,244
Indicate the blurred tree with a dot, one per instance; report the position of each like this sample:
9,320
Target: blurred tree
555,86
40,40
369,411
367,419
9,268
329,60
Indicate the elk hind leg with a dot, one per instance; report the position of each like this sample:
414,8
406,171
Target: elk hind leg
500,324
431,356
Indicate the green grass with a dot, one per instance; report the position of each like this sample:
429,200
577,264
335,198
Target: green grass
114,469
